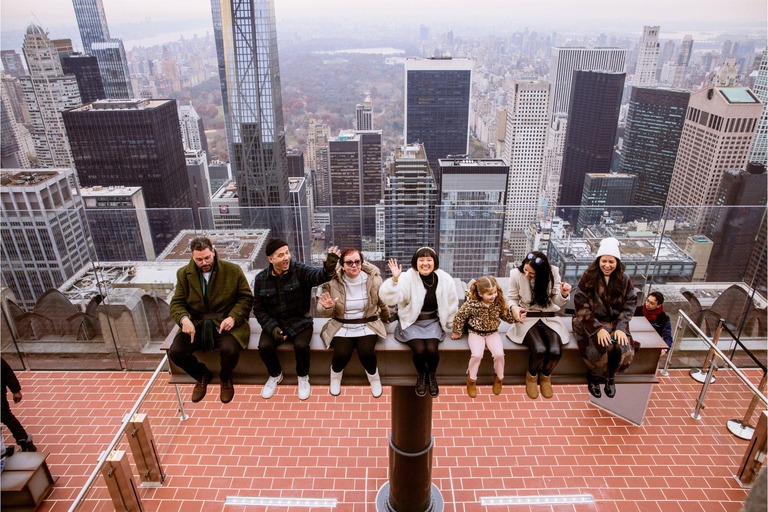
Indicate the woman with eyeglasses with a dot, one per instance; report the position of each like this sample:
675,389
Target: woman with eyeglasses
536,294
605,302
427,304
352,301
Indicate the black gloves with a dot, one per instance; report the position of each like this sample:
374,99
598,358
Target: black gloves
329,265
277,333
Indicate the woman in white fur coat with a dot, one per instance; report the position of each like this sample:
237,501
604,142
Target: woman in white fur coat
535,295
427,302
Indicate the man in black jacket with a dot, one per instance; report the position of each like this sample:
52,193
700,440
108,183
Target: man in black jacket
10,381
281,301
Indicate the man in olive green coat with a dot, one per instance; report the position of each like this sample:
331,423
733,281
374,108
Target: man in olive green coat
211,304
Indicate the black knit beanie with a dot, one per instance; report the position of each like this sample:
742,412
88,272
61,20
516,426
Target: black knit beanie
274,244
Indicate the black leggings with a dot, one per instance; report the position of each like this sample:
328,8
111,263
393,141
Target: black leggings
614,359
425,354
544,344
342,352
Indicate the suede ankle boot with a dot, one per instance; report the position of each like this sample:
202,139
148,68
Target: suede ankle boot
545,381
471,387
532,385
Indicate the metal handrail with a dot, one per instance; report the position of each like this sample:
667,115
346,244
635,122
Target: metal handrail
739,343
715,352
116,439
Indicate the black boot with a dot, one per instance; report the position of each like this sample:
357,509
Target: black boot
26,445
433,390
421,384
593,384
610,388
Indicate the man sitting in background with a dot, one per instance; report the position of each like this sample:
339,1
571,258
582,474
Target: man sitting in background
653,310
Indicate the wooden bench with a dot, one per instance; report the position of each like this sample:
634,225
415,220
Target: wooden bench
396,368
26,481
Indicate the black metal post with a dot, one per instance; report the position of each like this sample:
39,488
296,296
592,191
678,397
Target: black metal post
410,486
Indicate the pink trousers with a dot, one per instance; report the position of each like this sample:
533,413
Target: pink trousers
477,346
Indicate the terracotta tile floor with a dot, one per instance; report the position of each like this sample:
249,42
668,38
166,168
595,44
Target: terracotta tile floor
337,447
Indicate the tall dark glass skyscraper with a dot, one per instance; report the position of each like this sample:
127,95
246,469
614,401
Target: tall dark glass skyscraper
92,22
437,92
246,43
593,116
135,143
113,65
86,71
654,124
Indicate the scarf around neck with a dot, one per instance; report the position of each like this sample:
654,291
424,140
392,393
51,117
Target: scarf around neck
651,315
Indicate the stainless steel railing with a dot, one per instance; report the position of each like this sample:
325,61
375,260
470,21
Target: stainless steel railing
118,436
712,356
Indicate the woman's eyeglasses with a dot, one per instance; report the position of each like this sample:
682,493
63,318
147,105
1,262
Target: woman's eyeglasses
532,257
353,263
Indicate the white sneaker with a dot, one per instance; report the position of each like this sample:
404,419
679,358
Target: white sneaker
269,387
376,389
335,388
304,389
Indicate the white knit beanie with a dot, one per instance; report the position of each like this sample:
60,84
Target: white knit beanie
609,247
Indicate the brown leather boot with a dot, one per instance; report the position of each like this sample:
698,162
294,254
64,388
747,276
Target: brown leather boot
227,391
471,387
201,387
545,381
497,383
532,385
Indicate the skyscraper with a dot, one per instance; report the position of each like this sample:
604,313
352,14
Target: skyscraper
567,60
295,162
192,129
553,163
437,92
354,161
47,92
92,22
759,152
364,114
526,136
12,63
246,43
12,151
410,199
471,216
135,143
717,135
604,192
735,223
647,58
317,160
86,71
592,120
113,66
118,223
44,240
681,65
652,135
199,185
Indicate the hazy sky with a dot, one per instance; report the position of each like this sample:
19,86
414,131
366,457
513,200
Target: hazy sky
555,14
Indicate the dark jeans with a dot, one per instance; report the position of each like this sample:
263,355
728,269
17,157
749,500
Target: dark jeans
182,356
342,352
268,352
425,354
544,344
10,421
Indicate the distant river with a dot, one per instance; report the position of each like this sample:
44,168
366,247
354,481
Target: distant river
379,51
168,37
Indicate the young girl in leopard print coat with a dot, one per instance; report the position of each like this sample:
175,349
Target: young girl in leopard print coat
482,313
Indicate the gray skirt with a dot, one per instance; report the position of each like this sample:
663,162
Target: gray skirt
421,330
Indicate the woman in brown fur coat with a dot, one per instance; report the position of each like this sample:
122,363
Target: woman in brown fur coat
605,303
